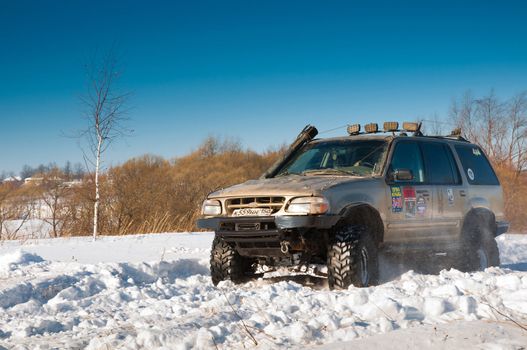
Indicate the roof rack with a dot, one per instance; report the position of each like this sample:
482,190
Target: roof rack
414,127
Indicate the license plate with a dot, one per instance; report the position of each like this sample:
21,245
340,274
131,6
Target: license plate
252,212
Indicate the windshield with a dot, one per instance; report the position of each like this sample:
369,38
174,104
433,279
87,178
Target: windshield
343,157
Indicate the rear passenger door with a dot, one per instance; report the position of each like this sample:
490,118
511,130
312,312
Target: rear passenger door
411,202
449,192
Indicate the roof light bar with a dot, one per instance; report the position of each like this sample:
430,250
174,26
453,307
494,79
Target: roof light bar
456,132
371,128
354,129
391,126
412,127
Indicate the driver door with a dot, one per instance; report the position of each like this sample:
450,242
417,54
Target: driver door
409,216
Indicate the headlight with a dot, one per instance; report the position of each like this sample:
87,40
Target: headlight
211,207
308,205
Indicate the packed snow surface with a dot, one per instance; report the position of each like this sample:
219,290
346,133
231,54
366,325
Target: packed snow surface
154,291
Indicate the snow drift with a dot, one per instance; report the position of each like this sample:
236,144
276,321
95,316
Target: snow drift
49,298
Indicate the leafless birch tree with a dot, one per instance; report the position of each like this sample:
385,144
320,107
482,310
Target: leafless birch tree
105,114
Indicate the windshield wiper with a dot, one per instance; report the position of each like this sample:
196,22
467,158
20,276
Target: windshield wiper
329,171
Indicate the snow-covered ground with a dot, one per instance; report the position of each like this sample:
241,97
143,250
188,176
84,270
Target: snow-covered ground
26,229
153,291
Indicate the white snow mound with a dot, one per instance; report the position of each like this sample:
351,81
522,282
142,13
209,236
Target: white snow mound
13,261
170,303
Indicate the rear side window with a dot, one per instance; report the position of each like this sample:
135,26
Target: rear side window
476,166
440,165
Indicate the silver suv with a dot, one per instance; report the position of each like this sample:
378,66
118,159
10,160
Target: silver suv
338,201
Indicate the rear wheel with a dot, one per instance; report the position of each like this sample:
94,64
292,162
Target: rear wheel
352,258
227,264
479,250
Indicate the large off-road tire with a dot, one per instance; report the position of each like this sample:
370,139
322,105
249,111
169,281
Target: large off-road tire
352,258
227,264
479,250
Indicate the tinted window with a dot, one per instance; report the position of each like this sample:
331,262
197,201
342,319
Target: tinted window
407,155
440,166
476,166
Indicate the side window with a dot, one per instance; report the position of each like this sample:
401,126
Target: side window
440,165
407,155
476,166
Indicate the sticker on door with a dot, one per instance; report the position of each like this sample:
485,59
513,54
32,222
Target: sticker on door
450,196
397,199
409,201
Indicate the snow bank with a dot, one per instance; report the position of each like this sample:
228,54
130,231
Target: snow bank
452,335
133,248
169,302
27,229
513,251
12,262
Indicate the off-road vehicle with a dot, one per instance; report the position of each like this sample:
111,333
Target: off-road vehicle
338,201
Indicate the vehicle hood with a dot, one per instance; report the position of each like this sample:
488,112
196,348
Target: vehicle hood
291,185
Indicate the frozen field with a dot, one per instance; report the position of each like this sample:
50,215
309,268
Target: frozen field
153,291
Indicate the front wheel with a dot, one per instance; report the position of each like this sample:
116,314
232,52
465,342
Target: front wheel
227,264
352,258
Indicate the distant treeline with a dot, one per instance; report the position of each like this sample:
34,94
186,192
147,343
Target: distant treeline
70,170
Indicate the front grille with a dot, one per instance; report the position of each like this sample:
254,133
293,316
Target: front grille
248,226
273,203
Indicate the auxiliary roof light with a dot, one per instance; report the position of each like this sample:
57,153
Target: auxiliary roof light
411,127
371,128
354,129
456,132
391,126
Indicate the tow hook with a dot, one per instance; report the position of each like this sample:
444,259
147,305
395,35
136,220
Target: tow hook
284,247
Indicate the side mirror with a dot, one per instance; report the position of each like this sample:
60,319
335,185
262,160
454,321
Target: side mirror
403,175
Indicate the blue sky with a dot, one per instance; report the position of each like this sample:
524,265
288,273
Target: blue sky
254,70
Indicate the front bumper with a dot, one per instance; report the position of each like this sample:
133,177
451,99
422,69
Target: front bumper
282,222
502,227
261,236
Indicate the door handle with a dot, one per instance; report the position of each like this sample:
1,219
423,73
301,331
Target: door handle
462,193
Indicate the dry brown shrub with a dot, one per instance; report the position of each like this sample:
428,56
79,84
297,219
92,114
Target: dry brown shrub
150,194
514,186
146,194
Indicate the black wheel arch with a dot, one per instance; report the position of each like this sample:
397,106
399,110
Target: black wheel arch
366,215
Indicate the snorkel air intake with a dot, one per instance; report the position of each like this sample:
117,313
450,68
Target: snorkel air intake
306,135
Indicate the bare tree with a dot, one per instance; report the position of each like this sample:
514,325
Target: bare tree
434,125
15,210
105,115
499,127
53,193
517,133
